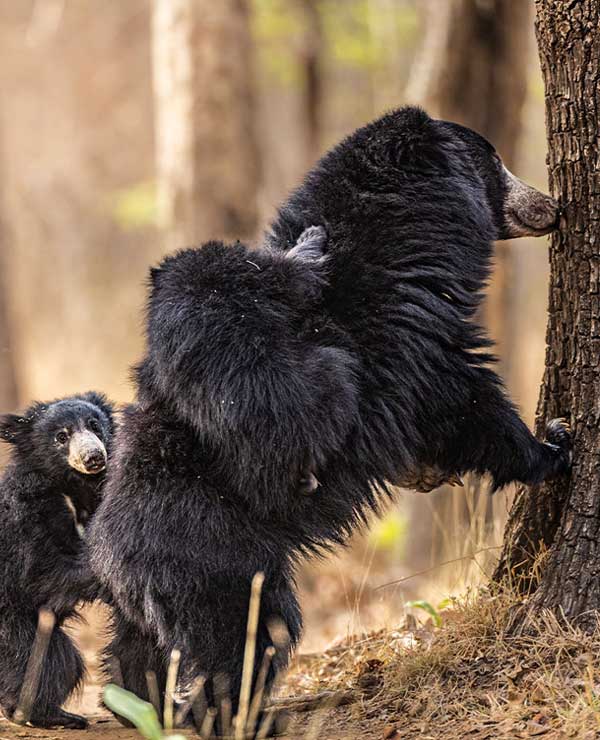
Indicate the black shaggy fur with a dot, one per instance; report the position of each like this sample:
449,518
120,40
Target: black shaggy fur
43,562
412,207
363,368
182,530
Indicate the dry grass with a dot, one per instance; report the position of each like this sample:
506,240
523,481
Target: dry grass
468,679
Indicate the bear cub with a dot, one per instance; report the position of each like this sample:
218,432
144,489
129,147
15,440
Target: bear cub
48,493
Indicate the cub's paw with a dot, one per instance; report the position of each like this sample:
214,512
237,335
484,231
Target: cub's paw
558,436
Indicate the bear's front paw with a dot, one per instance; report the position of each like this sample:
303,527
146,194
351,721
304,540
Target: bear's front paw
558,436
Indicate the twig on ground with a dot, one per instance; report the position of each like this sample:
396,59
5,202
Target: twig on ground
470,556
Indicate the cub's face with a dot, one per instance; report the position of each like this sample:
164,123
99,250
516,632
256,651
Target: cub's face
75,434
517,208
66,436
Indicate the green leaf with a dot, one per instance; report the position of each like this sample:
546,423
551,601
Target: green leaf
427,607
141,713
445,603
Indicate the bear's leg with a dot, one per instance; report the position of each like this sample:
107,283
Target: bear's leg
61,674
216,650
490,437
128,657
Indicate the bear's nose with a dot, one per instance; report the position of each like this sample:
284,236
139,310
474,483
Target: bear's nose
94,461
542,213
527,212
87,453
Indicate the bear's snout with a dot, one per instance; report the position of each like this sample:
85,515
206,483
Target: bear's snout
527,211
87,453
542,213
94,461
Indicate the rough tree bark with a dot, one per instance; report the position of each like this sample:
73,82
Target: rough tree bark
564,516
206,150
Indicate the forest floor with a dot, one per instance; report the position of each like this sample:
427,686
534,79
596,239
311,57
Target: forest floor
468,679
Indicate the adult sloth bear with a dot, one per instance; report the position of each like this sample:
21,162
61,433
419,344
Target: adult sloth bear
362,367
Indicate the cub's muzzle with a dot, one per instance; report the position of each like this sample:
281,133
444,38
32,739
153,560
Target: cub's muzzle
527,212
87,453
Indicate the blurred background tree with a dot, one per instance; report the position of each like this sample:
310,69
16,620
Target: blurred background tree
472,68
132,128
474,72
8,375
207,163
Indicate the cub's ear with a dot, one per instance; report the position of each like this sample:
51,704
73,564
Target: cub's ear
310,247
102,402
14,428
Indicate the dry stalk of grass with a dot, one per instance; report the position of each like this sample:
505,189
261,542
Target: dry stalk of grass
170,686
249,655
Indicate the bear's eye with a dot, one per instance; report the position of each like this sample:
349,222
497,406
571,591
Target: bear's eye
62,437
94,425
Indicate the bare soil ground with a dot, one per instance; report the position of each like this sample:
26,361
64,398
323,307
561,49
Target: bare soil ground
469,679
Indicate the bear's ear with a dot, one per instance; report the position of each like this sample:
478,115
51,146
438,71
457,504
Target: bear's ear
417,142
102,402
310,247
14,428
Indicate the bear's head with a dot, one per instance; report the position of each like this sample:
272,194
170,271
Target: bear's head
62,438
408,165
517,208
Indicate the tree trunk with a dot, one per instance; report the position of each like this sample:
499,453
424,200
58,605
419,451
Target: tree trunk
206,150
8,381
311,63
478,73
565,515
8,378
479,79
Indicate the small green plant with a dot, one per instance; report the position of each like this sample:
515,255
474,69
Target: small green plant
141,713
427,607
